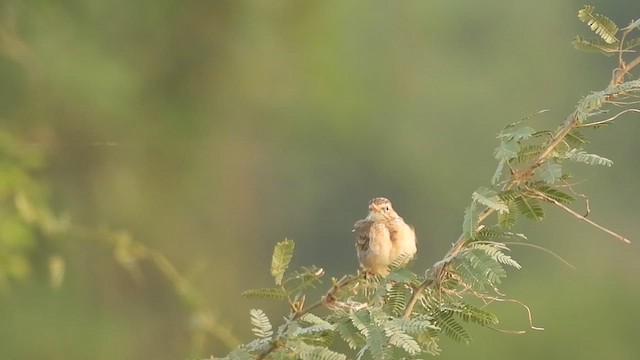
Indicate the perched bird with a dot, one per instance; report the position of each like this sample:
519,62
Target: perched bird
382,237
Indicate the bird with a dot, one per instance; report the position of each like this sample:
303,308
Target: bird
382,237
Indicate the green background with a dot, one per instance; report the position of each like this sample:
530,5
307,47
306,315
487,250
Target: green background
210,130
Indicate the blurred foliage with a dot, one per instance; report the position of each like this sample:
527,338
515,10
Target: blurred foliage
20,239
209,129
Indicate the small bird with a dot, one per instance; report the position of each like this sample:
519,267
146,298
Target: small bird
382,237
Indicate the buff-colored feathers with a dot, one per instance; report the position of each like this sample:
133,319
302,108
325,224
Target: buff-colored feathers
382,237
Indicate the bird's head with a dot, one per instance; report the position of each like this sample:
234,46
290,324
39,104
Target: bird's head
380,209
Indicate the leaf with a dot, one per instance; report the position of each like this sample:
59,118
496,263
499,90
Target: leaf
376,341
508,195
470,223
635,24
518,134
594,45
416,325
239,354
576,138
478,269
530,208
495,251
401,276
450,327
600,24
258,345
310,352
398,338
307,277
316,320
553,193
550,172
490,199
396,300
470,313
262,325
349,333
507,220
528,152
498,173
590,159
507,150
630,44
282,255
488,234
265,293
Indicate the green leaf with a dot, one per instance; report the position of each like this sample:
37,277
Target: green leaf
478,269
497,175
470,313
594,45
349,333
518,134
450,327
470,223
315,320
282,255
507,220
630,44
554,193
373,335
576,138
600,24
528,152
309,352
306,277
401,276
507,150
376,341
265,293
550,172
508,195
590,159
398,338
490,199
495,251
418,324
239,354
262,325
530,208
397,296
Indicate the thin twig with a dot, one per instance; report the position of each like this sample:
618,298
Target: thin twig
580,217
605,121
543,249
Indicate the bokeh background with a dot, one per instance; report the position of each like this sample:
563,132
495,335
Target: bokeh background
210,130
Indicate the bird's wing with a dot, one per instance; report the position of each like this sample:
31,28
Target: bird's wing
362,229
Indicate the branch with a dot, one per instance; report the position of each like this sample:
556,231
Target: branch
624,69
606,121
516,178
327,299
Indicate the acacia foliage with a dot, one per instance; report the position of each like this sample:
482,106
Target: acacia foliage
403,315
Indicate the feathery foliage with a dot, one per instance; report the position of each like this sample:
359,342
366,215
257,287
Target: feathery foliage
403,315
281,258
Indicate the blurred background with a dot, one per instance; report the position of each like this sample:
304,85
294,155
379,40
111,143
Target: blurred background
210,130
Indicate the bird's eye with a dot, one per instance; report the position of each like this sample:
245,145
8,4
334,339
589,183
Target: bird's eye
386,208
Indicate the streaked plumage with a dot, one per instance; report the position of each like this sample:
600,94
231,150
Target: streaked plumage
382,236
